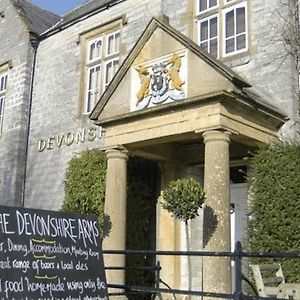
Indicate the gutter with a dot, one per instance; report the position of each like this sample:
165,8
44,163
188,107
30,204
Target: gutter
56,28
34,41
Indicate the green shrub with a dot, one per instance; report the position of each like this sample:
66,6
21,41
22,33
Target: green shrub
85,193
85,184
183,198
274,224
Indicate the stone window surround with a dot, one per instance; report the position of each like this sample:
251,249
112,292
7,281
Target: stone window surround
103,31
223,5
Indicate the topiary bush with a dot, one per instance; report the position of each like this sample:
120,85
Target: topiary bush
85,184
183,198
274,224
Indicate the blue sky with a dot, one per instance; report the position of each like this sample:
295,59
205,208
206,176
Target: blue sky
59,7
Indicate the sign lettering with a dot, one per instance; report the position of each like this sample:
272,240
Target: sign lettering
69,138
50,255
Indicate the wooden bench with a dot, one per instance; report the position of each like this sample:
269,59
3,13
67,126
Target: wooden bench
270,282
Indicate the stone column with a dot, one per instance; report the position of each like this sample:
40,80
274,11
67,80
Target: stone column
216,236
168,231
115,209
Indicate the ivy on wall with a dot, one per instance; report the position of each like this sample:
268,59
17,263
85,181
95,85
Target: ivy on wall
85,193
274,224
85,184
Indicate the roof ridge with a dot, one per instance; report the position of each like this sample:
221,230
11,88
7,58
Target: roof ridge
36,18
29,3
76,7
83,10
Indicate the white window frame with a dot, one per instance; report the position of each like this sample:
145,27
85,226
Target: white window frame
218,32
89,50
106,84
101,61
4,77
224,12
206,10
114,33
3,80
93,90
2,103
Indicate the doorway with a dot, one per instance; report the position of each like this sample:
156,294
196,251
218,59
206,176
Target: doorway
143,187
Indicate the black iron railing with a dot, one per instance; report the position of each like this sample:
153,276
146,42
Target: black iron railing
155,291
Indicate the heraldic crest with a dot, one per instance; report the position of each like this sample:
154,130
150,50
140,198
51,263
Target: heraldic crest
159,83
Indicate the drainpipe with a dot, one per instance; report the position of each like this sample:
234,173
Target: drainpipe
34,41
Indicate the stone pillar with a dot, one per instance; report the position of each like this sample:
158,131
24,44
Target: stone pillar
115,209
168,232
216,236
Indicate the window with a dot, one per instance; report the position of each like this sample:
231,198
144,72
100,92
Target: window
235,39
222,28
113,41
95,49
1,112
93,90
3,84
208,34
204,5
110,70
102,63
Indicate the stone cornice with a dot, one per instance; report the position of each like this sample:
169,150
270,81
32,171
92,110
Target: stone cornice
222,97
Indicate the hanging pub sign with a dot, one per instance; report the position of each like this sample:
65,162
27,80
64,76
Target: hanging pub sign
50,255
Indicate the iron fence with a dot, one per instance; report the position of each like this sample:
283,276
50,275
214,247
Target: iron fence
155,291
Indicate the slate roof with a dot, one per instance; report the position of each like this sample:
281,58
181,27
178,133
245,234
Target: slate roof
37,19
41,21
85,9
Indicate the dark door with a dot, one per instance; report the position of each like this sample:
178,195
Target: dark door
142,194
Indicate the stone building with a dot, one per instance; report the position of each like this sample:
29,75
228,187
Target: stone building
197,85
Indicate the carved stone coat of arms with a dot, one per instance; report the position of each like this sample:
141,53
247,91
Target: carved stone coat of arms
159,83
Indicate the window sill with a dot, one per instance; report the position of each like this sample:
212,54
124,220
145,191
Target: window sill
237,60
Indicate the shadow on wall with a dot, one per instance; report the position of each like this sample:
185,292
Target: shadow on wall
107,226
210,222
